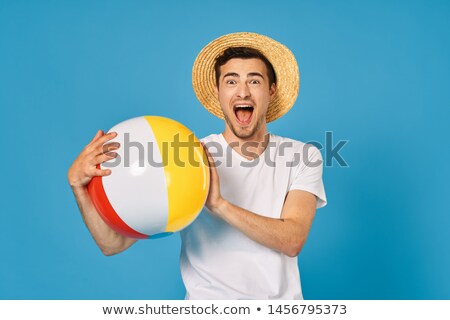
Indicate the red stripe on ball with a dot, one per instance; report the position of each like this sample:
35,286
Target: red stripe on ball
107,212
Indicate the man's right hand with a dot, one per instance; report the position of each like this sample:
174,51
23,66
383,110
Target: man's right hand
84,168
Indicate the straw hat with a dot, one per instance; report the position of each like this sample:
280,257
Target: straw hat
281,58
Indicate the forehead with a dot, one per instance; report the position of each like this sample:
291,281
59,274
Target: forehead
243,66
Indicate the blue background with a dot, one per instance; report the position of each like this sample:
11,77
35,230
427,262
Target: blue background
374,73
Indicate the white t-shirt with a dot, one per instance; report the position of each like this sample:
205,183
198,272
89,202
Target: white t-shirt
220,262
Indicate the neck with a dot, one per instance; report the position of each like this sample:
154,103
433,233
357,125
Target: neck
250,147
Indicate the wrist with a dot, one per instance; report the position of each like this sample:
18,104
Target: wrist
221,207
79,189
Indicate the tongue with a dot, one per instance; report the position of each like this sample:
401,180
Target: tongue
243,115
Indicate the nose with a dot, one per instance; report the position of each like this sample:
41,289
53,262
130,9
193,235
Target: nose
243,91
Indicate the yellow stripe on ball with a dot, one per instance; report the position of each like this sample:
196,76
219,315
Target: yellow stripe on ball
185,168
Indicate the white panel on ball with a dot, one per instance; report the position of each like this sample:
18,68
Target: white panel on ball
142,201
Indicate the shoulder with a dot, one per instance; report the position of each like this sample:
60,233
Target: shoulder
211,138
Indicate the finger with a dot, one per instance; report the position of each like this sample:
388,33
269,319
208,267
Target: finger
110,147
102,173
97,135
104,157
89,147
105,138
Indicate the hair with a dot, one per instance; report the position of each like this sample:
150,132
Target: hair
243,53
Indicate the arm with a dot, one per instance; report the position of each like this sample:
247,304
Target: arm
287,234
83,169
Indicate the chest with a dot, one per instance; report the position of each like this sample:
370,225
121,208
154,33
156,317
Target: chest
260,188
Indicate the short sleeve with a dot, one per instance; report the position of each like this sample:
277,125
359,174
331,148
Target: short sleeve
308,175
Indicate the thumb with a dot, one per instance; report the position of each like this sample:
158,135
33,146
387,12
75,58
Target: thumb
211,160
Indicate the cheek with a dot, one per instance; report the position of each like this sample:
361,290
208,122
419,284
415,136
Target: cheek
263,100
224,97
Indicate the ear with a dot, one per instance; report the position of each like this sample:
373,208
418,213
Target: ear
216,90
272,91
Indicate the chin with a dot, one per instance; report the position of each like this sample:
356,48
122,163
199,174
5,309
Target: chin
243,132
243,135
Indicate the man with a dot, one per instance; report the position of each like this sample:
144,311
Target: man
264,189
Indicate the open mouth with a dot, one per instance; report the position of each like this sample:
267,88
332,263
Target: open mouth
243,113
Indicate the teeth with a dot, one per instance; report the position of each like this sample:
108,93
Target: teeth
244,106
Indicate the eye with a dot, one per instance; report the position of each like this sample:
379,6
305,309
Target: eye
255,81
231,81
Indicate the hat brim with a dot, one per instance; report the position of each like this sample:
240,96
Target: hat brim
281,58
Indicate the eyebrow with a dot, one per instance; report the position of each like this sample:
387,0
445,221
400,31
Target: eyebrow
251,74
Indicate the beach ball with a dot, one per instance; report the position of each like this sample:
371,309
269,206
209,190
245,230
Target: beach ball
159,181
